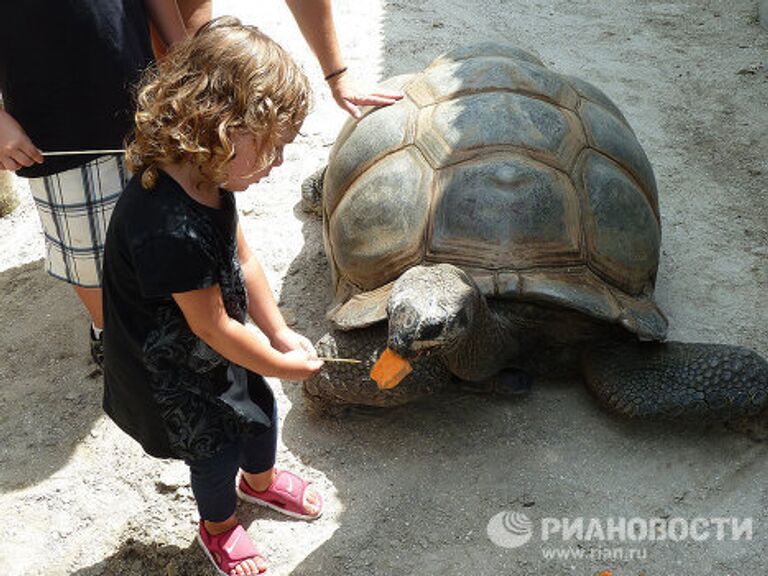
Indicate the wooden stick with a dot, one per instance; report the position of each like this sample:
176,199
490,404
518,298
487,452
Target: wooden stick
344,360
81,152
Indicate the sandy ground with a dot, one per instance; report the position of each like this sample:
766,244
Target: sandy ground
411,491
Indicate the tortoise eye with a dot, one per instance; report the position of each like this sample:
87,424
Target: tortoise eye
430,331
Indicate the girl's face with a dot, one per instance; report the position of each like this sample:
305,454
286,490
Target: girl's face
244,169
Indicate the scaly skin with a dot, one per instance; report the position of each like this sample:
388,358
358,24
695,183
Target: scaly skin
339,383
312,192
676,380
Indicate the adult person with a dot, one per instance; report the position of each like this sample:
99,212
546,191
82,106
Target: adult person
315,21
66,76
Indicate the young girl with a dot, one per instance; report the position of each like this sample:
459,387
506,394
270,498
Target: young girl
183,375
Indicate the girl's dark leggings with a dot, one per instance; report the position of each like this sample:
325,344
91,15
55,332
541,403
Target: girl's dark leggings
213,478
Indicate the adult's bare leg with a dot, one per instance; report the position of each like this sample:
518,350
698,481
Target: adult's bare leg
91,299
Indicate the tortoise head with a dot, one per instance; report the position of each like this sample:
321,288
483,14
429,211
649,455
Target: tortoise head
431,309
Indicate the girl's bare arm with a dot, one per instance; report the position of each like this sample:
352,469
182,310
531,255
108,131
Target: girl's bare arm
262,307
205,313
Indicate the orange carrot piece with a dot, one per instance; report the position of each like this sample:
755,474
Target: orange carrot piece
390,369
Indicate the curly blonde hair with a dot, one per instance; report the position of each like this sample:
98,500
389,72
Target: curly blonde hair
230,76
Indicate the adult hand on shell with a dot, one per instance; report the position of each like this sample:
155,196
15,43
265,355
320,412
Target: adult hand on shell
349,95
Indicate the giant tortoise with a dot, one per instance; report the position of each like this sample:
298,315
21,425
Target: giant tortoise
504,217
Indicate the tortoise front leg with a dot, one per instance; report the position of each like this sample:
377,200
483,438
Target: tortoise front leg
341,383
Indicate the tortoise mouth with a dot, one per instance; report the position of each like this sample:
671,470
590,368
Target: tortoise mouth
425,346
414,349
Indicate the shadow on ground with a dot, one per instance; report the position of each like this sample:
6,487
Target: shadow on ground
47,343
135,558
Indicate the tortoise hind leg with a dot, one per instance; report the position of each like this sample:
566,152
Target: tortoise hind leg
312,192
675,380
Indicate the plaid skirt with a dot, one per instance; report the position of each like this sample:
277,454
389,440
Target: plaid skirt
74,208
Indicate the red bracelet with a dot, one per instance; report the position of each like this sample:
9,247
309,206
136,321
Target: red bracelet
335,73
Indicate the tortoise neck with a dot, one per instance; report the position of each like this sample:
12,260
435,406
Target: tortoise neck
488,345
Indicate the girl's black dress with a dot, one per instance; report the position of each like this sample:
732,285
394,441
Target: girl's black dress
163,385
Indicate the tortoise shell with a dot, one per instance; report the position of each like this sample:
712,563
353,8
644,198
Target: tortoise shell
531,181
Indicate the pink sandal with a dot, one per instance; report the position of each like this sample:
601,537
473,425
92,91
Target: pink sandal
285,494
228,549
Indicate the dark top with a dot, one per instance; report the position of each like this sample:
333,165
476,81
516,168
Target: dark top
163,385
67,68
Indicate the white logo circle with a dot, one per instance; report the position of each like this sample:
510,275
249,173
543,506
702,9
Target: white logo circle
510,529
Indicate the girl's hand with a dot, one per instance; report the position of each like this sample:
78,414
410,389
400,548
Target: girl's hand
286,340
299,365
349,96
16,149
